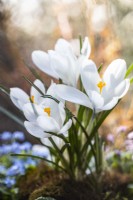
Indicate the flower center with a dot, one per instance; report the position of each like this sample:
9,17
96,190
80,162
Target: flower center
32,99
101,84
48,111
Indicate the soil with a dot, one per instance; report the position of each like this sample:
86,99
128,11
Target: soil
46,182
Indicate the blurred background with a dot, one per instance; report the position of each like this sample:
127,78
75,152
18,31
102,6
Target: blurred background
37,24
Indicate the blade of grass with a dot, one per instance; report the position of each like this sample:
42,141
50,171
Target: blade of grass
11,116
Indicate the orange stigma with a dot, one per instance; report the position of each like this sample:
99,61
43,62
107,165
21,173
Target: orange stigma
48,111
101,84
32,99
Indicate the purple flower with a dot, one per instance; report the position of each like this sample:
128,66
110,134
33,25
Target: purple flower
6,135
130,135
110,137
18,135
121,129
117,152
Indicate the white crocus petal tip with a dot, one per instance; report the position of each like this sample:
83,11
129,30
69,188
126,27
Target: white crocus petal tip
66,127
86,49
63,46
111,104
122,88
18,97
116,69
42,61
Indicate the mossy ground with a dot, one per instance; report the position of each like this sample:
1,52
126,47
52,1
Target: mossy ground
46,182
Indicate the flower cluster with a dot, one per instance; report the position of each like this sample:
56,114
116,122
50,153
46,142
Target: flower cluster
12,167
72,139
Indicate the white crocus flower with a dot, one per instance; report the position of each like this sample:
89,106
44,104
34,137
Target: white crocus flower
45,118
101,93
62,63
19,97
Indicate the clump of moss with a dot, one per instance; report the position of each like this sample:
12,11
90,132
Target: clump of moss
35,178
108,187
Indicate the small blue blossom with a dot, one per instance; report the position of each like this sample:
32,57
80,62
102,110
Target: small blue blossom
18,135
30,162
6,135
7,148
40,150
15,147
9,181
26,146
13,170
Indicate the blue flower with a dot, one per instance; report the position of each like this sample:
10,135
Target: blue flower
26,146
30,162
15,147
18,135
13,170
6,148
9,181
6,135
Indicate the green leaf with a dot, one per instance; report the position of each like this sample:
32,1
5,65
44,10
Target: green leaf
4,89
80,42
129,70
11,116
45,198
32,84
100,67
38,157
131,80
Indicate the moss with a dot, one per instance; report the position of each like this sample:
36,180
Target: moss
46,182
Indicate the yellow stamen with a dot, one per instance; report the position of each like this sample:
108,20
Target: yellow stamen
48,111
32,99
101,84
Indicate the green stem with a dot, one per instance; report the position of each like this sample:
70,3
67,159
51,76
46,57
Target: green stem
64,161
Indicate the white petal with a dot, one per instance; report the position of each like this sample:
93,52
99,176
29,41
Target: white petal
48,124
42,61
86,49
34,92
32,111
122,88
35,130
115,72
18,97
59,142
96,99
63,47
62,112
63,66
110,104
73,95
66,127
51,91
89,75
